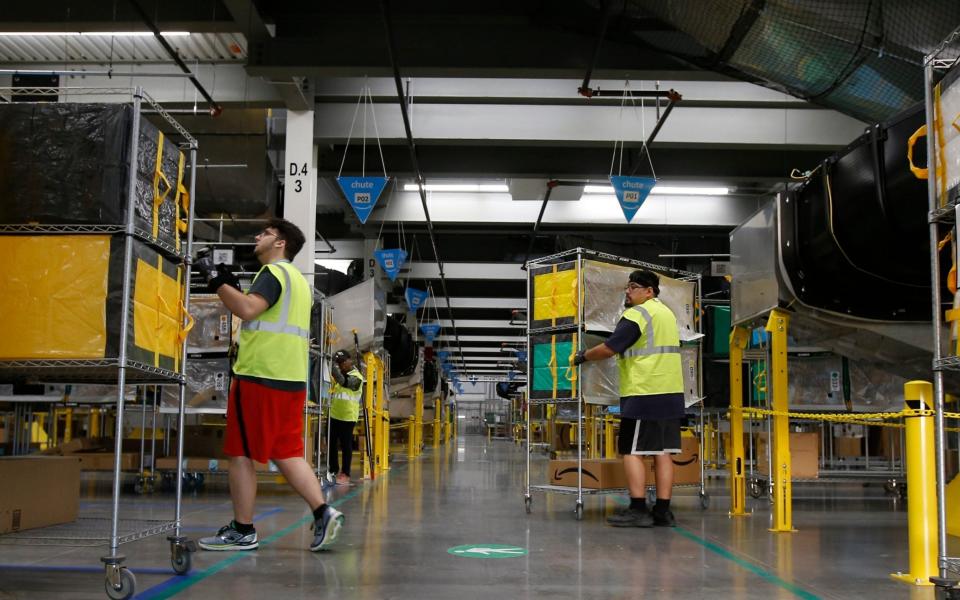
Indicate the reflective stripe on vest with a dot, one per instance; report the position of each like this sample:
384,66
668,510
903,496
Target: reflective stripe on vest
275,344
653,365
344,402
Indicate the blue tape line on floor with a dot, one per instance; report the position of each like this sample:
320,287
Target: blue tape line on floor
177,584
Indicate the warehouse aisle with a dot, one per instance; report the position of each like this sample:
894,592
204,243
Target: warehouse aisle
401,532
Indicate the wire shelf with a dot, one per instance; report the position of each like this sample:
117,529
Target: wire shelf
539,401
88,531
946,213
951,363
951,564
572,490
80,228
86,370
558,328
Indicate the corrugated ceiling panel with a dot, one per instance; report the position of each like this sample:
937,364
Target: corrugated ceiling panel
203,47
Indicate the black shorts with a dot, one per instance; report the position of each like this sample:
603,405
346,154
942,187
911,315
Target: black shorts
647,437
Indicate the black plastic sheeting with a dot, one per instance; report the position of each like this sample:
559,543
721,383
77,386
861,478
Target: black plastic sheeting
404,354
65,164
854,238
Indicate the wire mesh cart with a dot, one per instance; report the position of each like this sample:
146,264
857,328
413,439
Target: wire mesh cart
574,302
941,77
131,215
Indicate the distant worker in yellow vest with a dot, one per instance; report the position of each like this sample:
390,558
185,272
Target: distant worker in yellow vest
647,342
265,406
345,398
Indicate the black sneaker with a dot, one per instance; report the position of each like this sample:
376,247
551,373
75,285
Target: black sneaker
664,519
631,518
229,538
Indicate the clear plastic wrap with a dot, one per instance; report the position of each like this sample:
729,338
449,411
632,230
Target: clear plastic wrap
950,115
818,381
361,308
208,382
604,284
212,324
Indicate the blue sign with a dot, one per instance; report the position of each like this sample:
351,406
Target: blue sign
362,193
391,260
521,356
416,298
511,375
631,192
443,354
430,330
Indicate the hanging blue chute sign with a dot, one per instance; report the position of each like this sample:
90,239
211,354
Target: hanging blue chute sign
443,354
430,330
362,193
631,192
390,261
415,298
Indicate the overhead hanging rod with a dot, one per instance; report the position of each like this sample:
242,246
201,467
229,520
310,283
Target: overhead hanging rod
415,163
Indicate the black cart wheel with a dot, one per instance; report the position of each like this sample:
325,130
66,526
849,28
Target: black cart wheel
128,586
755,490
704,501
578,513
527,502
181,561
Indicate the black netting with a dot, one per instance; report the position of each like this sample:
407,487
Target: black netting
861,57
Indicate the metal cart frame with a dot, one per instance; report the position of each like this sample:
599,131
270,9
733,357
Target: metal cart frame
120,582
579,255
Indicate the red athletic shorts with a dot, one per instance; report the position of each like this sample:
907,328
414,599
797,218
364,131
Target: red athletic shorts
264,423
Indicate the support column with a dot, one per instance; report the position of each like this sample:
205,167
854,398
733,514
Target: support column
436,422
780,465
300,185
738,477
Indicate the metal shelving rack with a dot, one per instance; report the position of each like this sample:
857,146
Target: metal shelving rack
120,582
579,255
942,212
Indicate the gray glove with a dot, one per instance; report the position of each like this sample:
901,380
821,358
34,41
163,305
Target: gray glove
579,358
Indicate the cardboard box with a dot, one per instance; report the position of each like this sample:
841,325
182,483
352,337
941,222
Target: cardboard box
598,474
38,491
686,465
846,447
607,473
103,461
804,455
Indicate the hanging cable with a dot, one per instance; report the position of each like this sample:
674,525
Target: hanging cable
415,163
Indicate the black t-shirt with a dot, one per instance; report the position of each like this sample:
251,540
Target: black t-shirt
267,286
658,407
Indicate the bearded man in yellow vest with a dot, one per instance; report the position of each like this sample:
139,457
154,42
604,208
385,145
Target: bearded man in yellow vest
265,406
346,394
647,344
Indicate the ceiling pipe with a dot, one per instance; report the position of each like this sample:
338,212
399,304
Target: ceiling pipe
415,163
215,109
584,89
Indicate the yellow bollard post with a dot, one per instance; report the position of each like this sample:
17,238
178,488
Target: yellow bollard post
68,425
418,413
609,440
738,477
368,462
436,423
921,486
94,427
380,431
780,468
385,441
411,436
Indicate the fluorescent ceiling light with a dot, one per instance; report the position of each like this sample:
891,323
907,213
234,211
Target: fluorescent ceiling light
459,187
664,189
91,33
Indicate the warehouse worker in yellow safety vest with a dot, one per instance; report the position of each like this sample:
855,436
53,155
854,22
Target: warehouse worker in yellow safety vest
345,398
647,344
267,395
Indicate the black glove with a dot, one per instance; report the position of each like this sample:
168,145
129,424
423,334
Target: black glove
222,275
204,265
579,358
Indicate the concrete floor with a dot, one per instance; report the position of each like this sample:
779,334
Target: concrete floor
399,529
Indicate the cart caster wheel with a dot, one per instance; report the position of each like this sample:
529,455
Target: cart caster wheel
578,512
128,585
189,482
755,490
200,479
903,492
651,497
704,501
181,561
138,488
527,502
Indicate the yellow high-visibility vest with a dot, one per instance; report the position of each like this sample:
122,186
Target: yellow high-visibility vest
652,365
